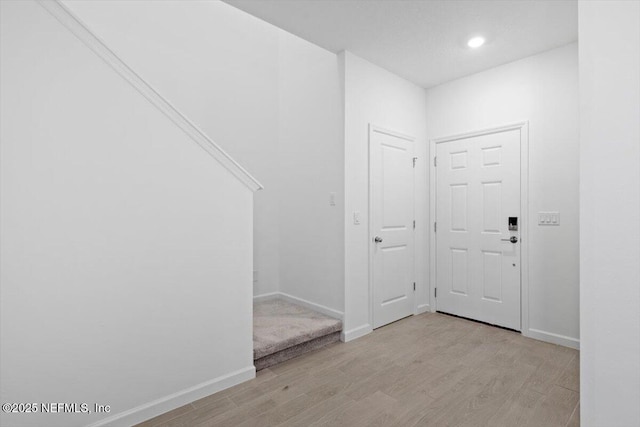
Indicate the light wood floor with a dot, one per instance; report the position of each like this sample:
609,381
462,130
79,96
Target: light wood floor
426,370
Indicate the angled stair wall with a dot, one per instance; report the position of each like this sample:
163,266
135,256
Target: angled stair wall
121,268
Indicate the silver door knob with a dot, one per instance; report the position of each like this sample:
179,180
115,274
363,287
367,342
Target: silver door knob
378,239
512,239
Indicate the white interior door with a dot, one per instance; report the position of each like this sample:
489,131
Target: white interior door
477,265
392,240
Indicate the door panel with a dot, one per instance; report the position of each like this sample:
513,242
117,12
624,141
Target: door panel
391,175
477,190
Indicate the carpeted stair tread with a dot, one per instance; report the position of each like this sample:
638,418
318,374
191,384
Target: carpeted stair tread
279,325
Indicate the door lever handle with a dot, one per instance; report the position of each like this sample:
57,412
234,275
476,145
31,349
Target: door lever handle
378,239
512,239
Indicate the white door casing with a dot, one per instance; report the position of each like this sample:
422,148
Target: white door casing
478,183
391,184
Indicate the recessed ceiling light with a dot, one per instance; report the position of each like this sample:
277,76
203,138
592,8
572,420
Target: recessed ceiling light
475,42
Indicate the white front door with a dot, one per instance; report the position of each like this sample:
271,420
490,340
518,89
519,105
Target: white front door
477,191
391,233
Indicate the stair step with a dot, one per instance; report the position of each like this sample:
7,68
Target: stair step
283,330
295,351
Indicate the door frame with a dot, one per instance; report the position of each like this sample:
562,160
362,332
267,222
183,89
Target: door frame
523,126
371,232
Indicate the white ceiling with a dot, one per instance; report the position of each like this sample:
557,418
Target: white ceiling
425,41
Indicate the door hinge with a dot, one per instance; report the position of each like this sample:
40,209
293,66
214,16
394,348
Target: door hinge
435,227
436,293
414,161
414,286
435,161
414,224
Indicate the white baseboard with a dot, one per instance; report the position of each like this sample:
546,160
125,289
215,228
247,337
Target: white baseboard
266,297
423,308
165,404
552,338
311,305
352,334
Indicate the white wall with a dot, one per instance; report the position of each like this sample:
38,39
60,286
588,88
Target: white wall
311,163
376,96
272,101
124,278
610,213
542,89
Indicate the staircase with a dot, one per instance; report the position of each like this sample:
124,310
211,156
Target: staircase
283,330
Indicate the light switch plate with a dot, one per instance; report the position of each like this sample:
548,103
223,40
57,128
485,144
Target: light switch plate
548,218
356,218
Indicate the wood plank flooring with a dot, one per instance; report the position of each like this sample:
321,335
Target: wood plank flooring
426,370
